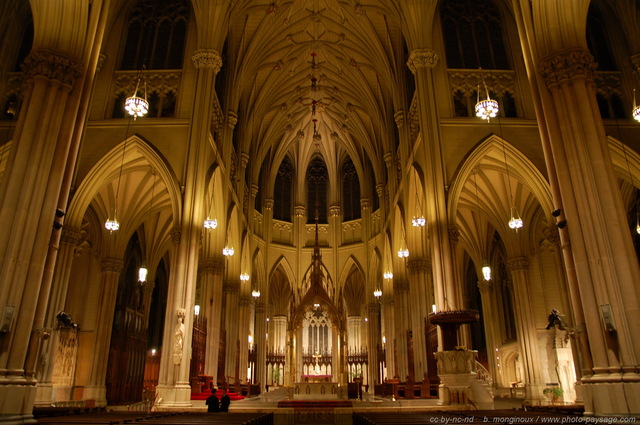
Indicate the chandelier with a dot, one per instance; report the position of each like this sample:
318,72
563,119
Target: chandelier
112,224
135,105
228,252
142,272
515,222
487,108
418,219
388,275
377,293
403,253
244,277
486,269
210,224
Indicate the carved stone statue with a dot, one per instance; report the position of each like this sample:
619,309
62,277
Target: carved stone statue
178,337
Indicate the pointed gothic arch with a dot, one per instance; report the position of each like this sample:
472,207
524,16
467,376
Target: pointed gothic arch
521,184
142,167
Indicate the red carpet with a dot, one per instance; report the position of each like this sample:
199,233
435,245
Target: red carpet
206,393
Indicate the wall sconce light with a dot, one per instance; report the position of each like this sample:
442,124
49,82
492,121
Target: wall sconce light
142,274
486,272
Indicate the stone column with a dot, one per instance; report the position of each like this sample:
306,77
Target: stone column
259,338
375,342
299,230
605,263
421,63
279,339
231,295
96,389
354,330
418,311
29,193
211,270
384,205
243,318
182,282
491,321
166,379
574,317
526,330
402,326
48,350
388,321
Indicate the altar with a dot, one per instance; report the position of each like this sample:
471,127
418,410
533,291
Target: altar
316,378
316,390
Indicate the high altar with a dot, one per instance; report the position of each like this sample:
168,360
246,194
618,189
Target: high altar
316,359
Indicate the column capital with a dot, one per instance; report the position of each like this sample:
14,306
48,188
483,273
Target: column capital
419,265
260,307
373,308
111,264
552,234
518,263
379,190
485,286
231,286
148,285
254,189
422,58
244,159
364,203
176,234
207,58
211,265
245,300
299,211
454,235
399,117
232,119
102,58
400,286
334,211
567,65
52,65
70,235
388,159
268,204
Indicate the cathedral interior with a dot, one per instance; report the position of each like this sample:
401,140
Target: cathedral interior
438,195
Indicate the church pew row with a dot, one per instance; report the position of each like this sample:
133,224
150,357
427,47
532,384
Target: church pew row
230,418
501,417
102,418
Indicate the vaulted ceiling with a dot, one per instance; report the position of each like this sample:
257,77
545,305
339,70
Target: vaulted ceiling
324,68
